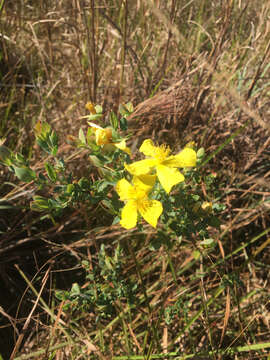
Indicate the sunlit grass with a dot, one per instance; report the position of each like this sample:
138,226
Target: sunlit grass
155,296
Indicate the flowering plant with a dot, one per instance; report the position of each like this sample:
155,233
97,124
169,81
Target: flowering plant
164,164
104,137
138,201
153,188
165,167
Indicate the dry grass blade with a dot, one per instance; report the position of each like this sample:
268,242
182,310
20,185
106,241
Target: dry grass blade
29,318
226,316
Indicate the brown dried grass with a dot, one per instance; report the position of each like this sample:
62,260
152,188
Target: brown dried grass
205,103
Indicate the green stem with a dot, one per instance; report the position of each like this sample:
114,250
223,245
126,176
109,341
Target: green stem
171,266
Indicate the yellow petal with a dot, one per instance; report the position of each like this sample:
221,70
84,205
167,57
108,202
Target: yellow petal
122,146
145,182
207,206
191,145
168,177
186,158
125,190
150,211
148,148
129,215
94,126
141,167
38,128
103,136
159,153
89,106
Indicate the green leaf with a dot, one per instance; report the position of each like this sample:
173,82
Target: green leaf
46,138
196,254
95,116
207,242
42,178
24,173
20,158
54,139
70,188
201,153
54,150
56,204
129,106
81,136
59,294
108,205
195,197
97,161
42,129
43,145
99,109
39,203
126,109
103,185
123,123
5,155
51,172
114,120
116,220
4,206
75,289
84,183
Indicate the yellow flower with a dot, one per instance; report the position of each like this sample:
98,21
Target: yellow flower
90,106
163,163
191,145
122,146
104,137
207,206
137,199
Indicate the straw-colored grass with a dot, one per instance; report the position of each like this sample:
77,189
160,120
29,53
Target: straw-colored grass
195,70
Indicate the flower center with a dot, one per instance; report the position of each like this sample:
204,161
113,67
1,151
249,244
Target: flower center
103,136
161,153
139,193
